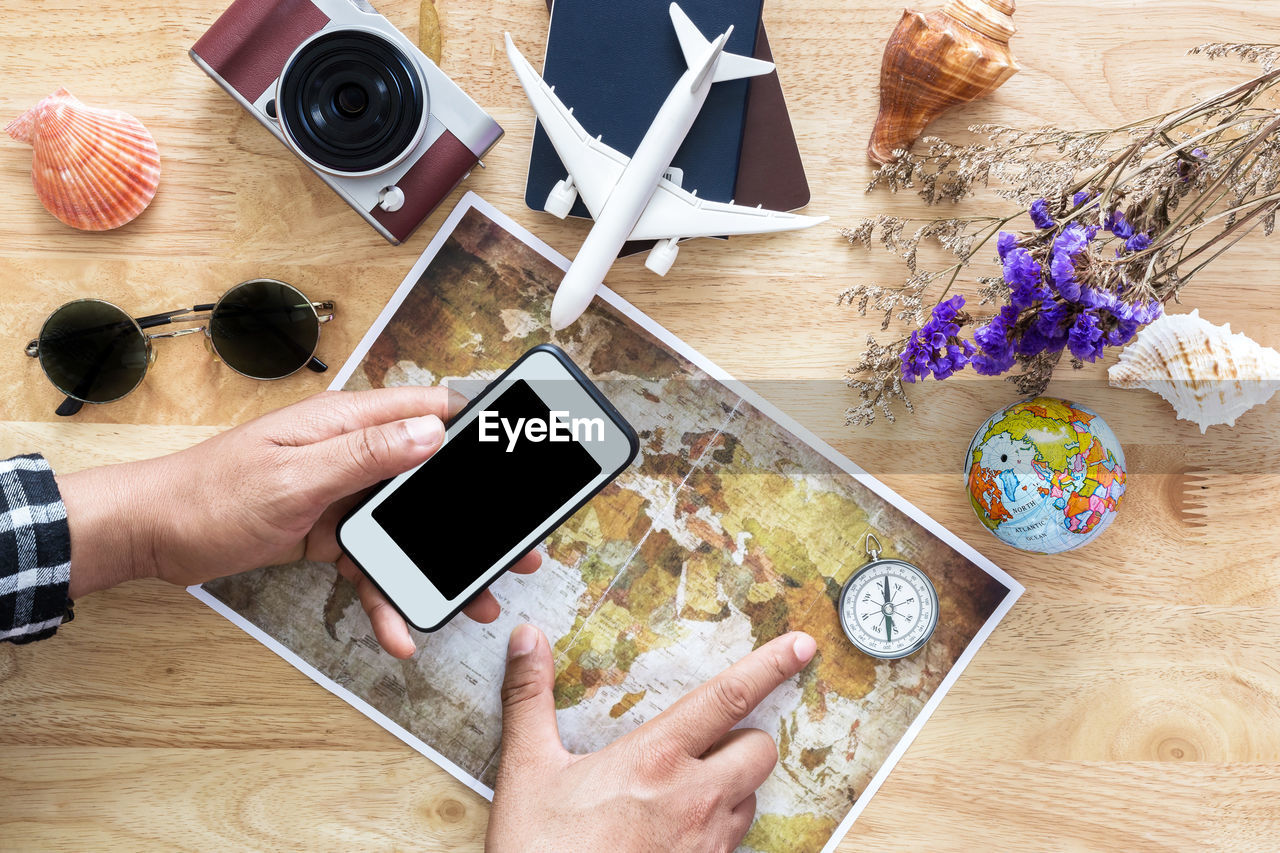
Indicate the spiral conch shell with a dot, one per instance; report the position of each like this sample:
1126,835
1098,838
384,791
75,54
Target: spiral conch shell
1210,375
937,60
93,169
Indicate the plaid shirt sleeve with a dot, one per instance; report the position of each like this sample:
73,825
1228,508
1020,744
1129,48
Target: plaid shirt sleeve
35,551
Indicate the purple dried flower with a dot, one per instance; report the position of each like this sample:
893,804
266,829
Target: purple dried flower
1123,332
1146,312
1121,310
1005,243
1020,269
1137,242
1047,332
1026,296
1051,322
1064,276
1073,240
1032,342
1040,214
1118,225
1022,272
996,341
1085,337
1092,297
1058,307
934,348
1127,316
993,364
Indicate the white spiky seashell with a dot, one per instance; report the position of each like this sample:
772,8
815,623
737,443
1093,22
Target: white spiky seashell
1210,375
94,169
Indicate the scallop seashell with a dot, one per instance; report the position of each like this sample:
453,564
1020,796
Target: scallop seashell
1210,375
93,169
935,61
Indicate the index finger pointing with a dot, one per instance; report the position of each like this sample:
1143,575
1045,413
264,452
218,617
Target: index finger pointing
703,716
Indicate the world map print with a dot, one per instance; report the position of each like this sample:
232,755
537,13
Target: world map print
727,531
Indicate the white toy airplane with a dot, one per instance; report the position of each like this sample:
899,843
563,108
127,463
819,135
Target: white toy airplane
628,197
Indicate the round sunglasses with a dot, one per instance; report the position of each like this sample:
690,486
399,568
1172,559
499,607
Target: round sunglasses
94,352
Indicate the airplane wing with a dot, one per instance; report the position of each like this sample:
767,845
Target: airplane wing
594,166
675,212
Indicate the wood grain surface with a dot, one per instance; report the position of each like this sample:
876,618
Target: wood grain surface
1131,701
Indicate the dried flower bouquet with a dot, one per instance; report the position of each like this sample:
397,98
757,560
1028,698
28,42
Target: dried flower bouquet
1123,218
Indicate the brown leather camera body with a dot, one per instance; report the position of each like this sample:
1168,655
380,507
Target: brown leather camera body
246,50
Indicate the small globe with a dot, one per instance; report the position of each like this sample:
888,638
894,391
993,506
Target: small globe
1045,475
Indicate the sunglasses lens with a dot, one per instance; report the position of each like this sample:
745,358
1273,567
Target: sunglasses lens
93,351
264,329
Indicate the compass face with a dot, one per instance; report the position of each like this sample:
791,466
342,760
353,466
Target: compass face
889,609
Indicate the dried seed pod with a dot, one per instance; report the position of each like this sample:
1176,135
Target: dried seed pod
937,60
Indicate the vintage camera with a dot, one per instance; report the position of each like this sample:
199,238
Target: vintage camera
355,99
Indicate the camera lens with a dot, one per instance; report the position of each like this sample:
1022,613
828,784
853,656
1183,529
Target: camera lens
352,101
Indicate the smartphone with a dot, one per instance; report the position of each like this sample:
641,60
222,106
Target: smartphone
523,456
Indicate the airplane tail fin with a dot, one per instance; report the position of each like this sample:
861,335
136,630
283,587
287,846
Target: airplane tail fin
698,52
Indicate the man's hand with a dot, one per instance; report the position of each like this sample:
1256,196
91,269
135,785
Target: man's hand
686,780
267,492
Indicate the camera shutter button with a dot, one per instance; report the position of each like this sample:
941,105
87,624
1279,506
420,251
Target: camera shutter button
391,199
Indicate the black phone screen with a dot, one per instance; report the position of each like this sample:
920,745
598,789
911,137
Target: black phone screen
475,500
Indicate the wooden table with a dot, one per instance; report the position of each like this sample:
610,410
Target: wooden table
1130,702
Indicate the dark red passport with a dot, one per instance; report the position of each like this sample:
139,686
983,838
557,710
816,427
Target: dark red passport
769,167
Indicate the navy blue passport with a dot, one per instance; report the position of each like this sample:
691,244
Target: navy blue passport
616,62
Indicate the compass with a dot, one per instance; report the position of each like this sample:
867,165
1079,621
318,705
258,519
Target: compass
889,608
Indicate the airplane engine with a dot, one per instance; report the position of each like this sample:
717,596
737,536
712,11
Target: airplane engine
662,256
561,198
